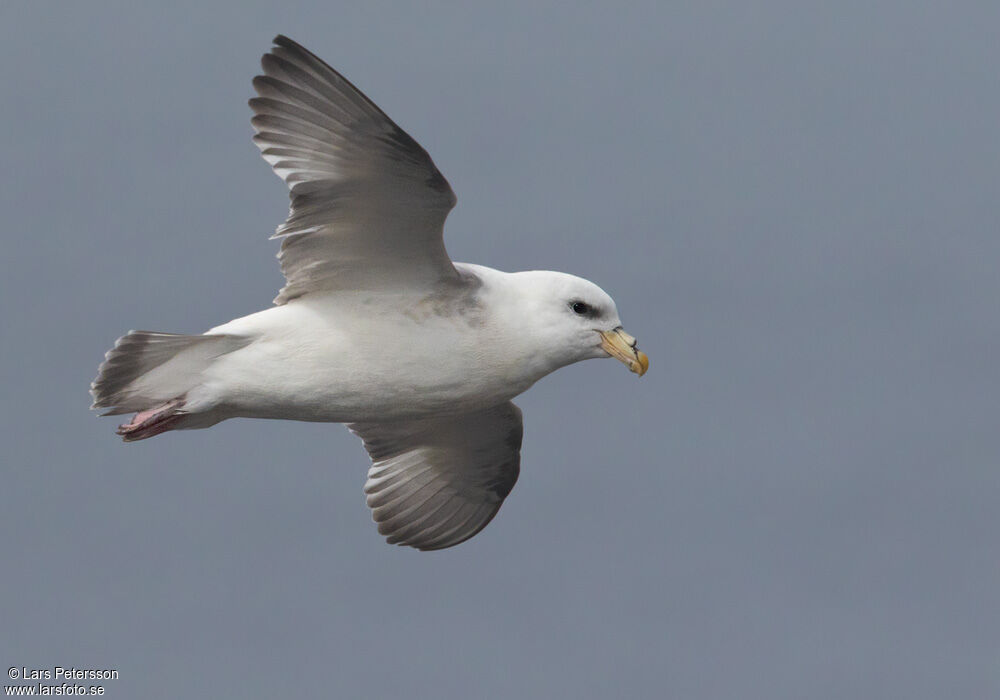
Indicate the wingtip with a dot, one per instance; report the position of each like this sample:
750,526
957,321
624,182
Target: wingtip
284,42
278,40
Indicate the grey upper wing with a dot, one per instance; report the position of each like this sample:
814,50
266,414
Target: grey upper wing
368,204
436,482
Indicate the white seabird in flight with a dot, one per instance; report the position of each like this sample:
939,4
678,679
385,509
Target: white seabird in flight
375,327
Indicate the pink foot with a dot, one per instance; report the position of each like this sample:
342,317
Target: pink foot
153,421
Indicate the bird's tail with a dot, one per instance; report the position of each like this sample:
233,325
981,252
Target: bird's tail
151,374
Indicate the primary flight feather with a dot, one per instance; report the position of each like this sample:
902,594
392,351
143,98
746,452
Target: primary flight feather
375,327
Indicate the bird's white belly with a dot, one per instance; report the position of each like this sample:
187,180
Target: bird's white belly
346,367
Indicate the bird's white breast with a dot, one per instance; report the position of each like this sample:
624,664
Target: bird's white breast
360,356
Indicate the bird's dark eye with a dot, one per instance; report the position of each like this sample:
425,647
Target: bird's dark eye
580,308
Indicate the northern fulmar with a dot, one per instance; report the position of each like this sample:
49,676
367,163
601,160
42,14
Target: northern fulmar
375,327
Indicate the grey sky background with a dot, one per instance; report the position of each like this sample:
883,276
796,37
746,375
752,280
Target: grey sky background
795,207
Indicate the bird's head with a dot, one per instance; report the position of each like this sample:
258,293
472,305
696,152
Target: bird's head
572,319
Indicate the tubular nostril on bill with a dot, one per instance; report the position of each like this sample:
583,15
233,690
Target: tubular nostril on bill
629,340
